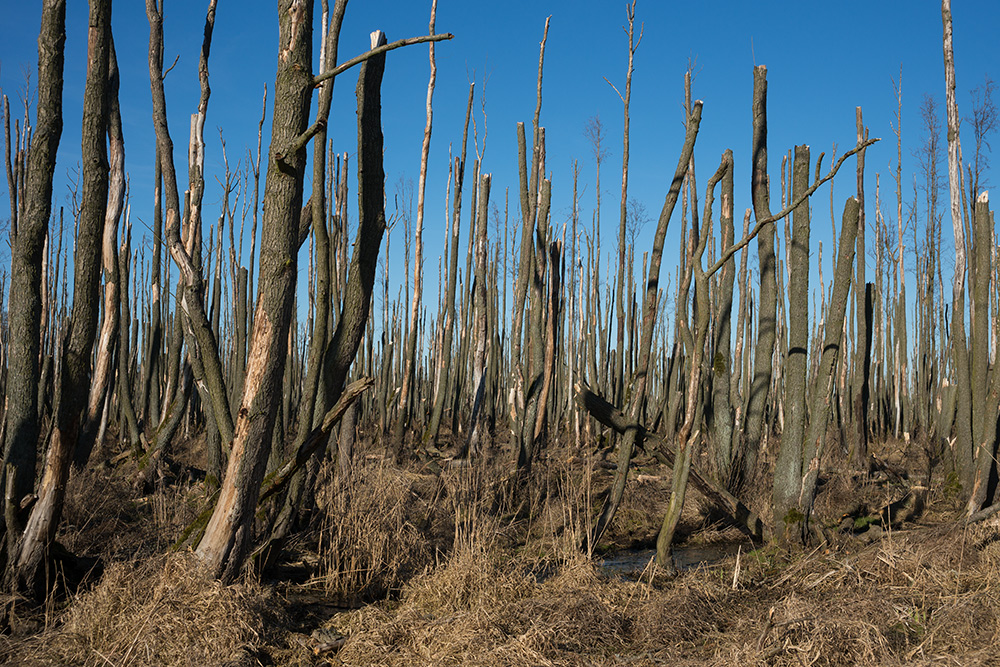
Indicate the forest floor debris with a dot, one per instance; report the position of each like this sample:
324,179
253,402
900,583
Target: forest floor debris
403,567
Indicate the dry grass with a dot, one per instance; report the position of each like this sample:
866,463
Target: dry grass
923,597
161,611
474,567
371,537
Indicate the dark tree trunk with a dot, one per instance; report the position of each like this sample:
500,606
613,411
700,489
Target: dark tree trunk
767,299
25,305
28,573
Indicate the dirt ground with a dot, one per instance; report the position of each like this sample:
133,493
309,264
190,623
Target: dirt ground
408,566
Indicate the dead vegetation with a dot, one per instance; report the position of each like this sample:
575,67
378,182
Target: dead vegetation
409,567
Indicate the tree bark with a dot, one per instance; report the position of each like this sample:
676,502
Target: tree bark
227,539
788,468
28,574
24,307
959,347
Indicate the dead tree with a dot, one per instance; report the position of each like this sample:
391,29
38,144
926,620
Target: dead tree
310,413
227,539
822,390
444,366
767,296
964,455
788,468
649,310
26,571
27,249
480,330
633,44
409,357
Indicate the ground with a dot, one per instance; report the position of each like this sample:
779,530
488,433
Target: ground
409,566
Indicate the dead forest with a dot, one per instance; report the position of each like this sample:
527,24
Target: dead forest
435,478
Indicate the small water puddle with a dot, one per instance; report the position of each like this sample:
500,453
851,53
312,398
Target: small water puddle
630,564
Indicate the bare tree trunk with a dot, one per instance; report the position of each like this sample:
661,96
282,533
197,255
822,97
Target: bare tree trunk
27,249
690,430
107,340
409,357
863,337
149,401
310,413
766,300
986,397
822,391
444,362
633,44
960,353
480,329
28,573
649,311
227,539
136,438
371,226
788,467
722,365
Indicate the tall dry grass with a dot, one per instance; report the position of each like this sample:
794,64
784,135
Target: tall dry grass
162,611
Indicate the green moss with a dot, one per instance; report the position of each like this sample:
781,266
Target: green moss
794,516
719,364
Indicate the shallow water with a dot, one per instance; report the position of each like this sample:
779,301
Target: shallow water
630,564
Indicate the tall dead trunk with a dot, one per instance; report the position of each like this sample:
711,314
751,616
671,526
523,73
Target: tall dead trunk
107,340
149,399
28,573
409,356
767,297
960,353
444,362
863,338
649,311
986,397
227,539
690,430
822,391
360,282
788,467
722,365
480,331
311,411
633,44
24,307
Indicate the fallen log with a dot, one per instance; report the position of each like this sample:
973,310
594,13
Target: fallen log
745,518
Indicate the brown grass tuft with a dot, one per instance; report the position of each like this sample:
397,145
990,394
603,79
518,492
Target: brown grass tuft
162,611
370,542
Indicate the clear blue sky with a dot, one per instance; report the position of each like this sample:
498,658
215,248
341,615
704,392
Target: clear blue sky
823,59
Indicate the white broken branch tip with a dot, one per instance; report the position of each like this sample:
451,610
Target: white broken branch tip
984,197
378,39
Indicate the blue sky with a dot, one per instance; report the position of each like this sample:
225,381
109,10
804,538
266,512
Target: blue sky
823,59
